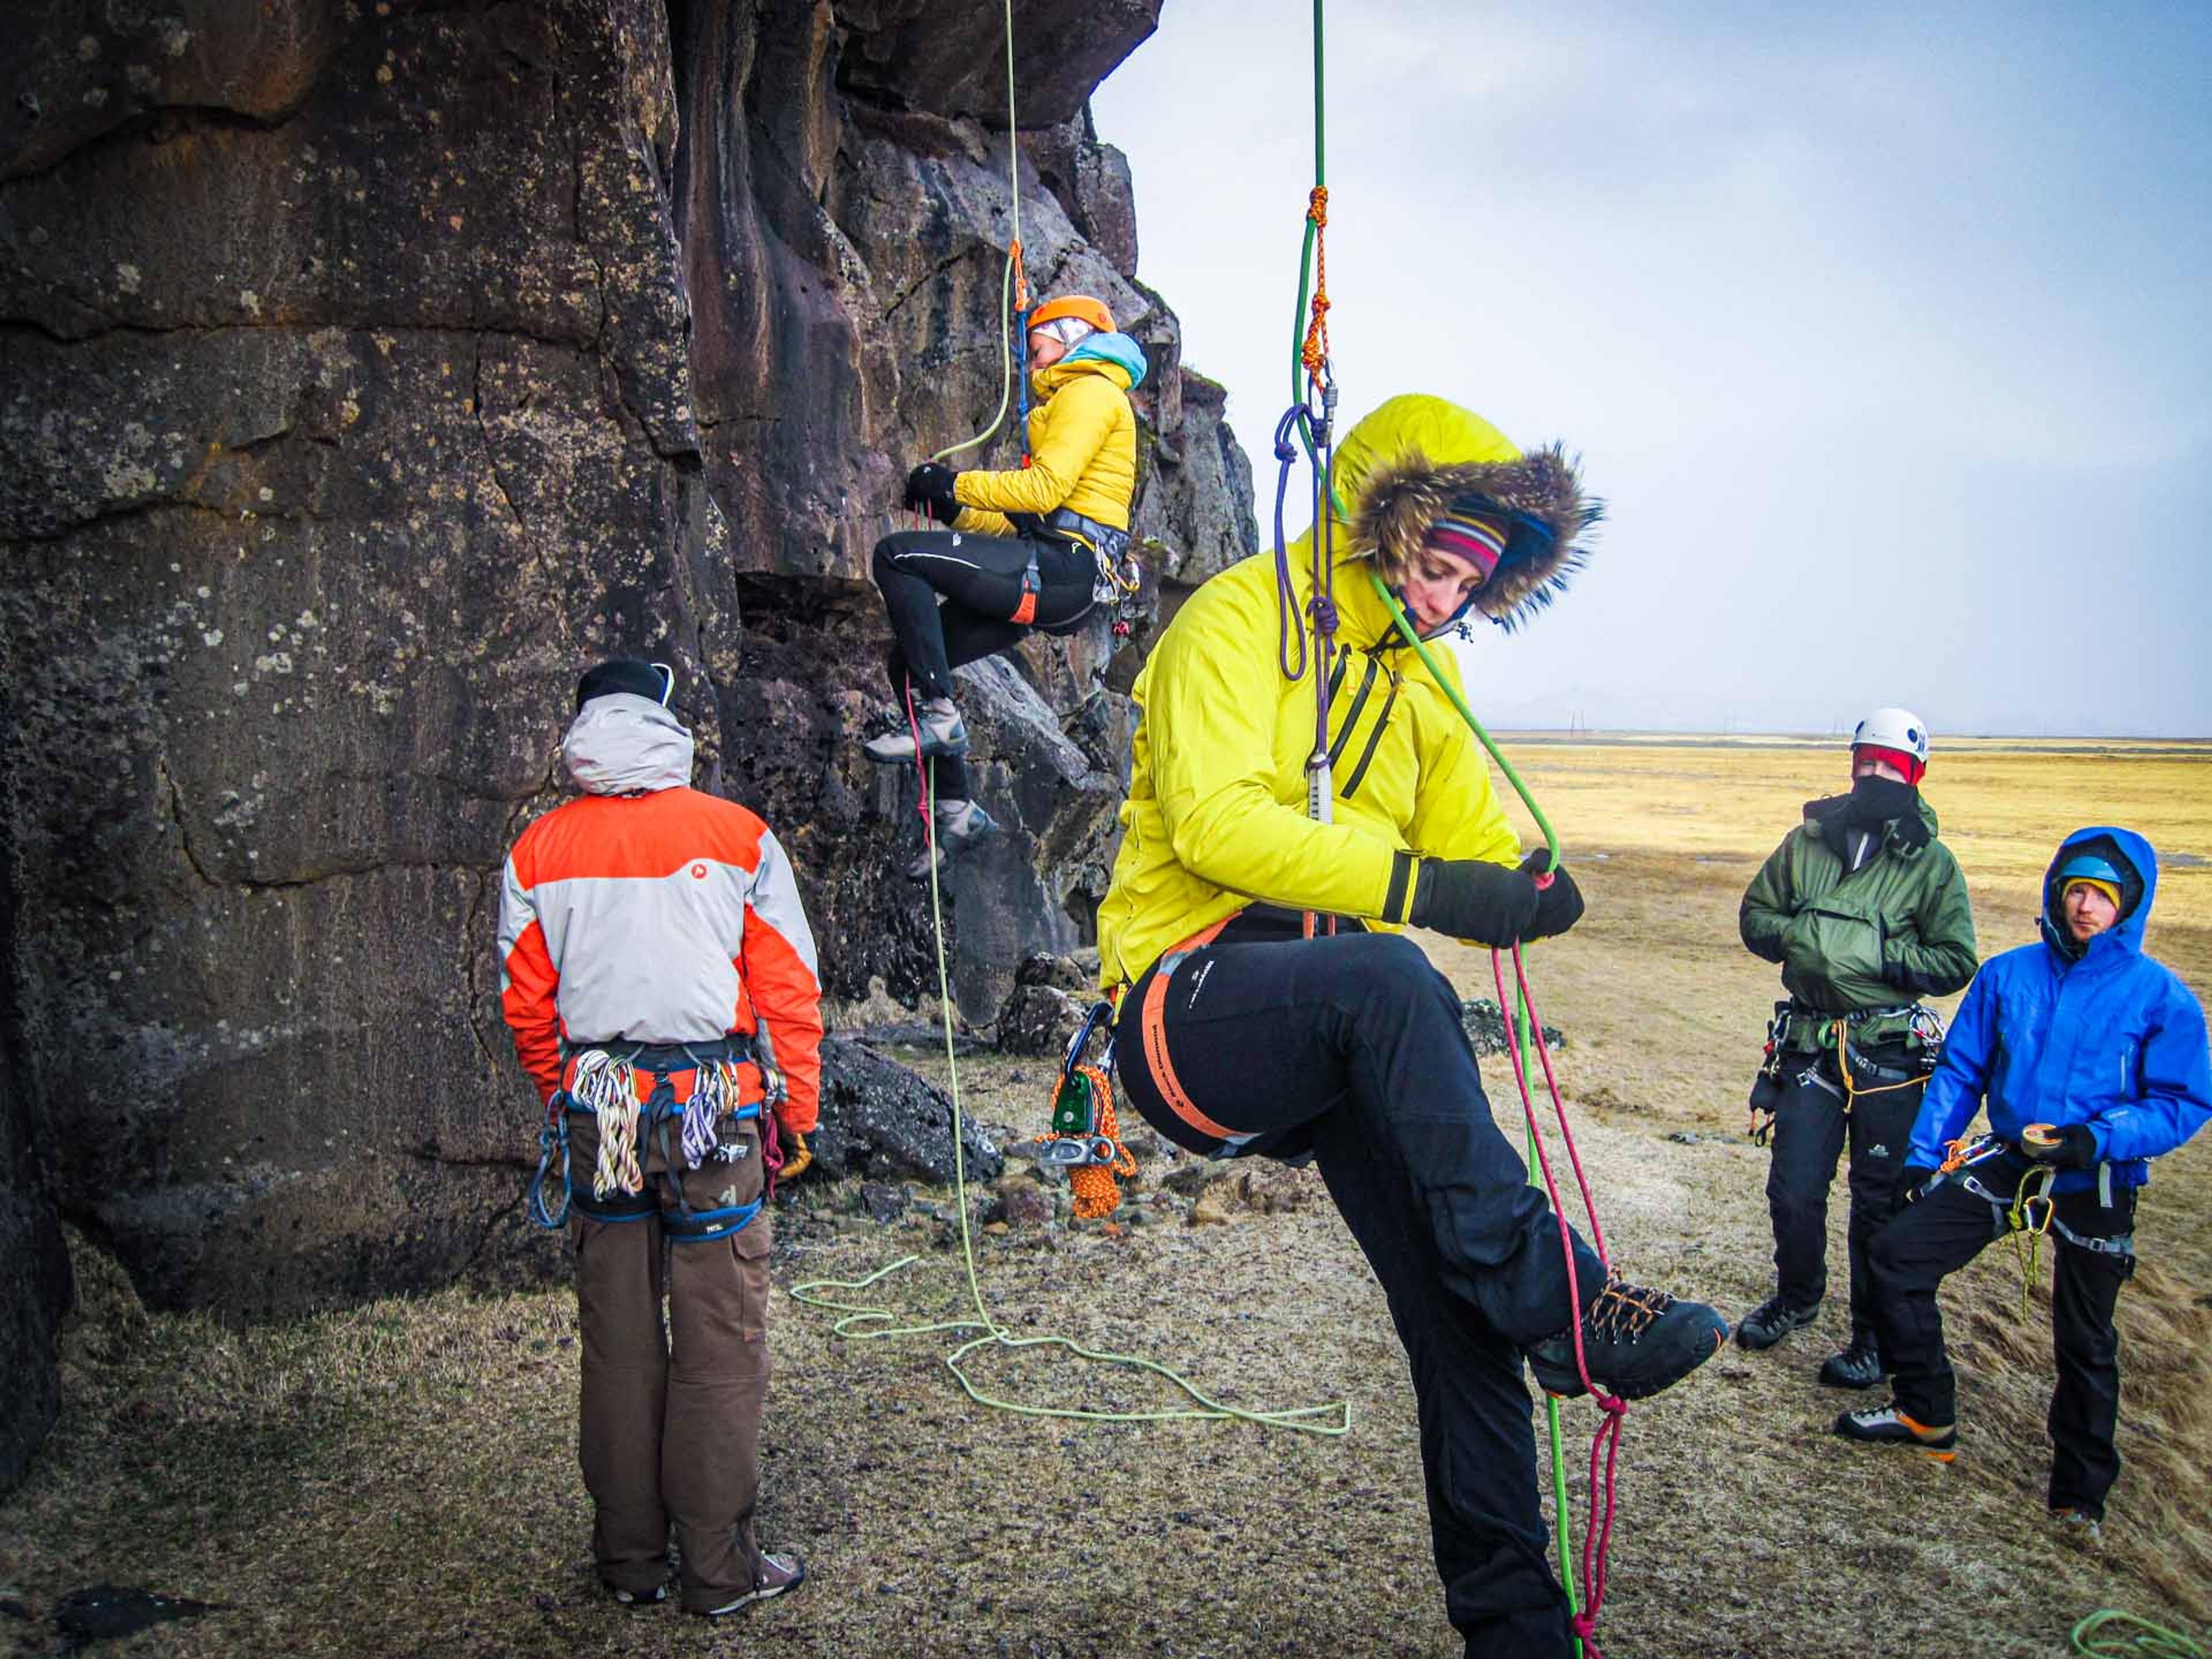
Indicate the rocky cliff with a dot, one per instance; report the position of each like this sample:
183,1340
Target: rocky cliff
367,367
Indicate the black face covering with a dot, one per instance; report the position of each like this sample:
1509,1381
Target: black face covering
1876,800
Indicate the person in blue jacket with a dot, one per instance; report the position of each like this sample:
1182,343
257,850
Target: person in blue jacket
2092,1060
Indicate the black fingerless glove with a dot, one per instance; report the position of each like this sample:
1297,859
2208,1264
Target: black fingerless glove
1912,1181
1492,904
1558,905
2072,1146
932,487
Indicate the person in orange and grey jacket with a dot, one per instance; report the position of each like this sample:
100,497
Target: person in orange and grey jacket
659,975
1867,912
1239,1035
1033,547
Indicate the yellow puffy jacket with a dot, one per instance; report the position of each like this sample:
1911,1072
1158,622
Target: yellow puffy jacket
1216,816
1083,453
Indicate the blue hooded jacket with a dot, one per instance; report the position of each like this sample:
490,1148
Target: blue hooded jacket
2057,1033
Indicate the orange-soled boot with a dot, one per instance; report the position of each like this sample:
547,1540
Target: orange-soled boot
1888,1426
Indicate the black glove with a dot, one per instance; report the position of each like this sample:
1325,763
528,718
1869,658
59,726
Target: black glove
930,486
1472,899
1559,906
2072,1146
1912,1181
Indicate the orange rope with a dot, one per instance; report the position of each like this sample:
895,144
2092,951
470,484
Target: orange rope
1096,1193
1021,276
1315,354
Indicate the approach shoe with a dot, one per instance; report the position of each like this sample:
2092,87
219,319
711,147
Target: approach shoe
1885,1425
637,1601
2078,1524
1635,1342
1858,1366
777,1574
942,733
961,824
1773,1320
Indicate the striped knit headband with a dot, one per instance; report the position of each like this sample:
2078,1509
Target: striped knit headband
1470,529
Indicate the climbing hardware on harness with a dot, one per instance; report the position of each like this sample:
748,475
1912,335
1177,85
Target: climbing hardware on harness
1085,1139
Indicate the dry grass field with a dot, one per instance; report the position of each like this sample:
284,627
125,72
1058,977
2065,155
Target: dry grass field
400,1479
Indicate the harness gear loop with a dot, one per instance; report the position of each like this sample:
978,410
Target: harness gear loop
2029,1217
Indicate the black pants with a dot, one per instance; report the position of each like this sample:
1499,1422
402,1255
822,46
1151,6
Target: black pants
1811,1128
980,578
1948,1228
1352,1047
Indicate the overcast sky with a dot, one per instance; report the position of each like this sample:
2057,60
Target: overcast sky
1883,331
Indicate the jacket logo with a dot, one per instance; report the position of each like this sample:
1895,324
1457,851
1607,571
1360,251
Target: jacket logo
698,872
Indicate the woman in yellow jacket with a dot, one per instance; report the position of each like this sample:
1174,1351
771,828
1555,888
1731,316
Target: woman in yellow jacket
1267,1004
1033,547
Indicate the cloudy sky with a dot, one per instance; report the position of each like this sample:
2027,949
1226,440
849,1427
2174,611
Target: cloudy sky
1883,330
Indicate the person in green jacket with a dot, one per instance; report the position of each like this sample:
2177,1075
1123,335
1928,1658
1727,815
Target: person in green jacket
1867,912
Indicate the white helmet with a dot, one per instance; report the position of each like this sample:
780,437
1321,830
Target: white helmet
1893,728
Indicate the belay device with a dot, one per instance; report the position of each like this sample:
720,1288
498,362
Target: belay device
1085,1139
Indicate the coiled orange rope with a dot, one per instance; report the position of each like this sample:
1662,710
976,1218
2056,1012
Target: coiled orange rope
1315,353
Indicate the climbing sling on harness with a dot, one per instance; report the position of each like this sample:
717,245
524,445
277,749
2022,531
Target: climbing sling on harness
600,1082
2030,1213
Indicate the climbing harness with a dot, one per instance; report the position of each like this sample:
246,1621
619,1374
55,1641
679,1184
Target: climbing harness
1796,1030
609,1084
1085,1139
2030,1213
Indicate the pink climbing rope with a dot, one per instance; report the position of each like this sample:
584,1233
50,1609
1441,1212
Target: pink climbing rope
1605,1445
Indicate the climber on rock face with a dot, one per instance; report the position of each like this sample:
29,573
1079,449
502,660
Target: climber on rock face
1240,1032
659,975
1033,547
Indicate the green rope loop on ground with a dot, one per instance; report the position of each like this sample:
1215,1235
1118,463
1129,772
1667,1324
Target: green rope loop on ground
2113,1634
864,1320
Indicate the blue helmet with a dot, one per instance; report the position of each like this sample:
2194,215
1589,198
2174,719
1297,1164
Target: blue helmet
2087,866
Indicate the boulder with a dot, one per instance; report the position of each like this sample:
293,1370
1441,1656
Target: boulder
1487,1029
1051,997
881,1120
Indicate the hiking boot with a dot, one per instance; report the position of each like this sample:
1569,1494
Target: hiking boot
961,824
1635,1342
1858,1366
2078,1524
637,1601
777,1574
1773,1320
1888,1426
942,733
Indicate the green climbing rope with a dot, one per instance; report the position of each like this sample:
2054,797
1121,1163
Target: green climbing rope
863,1320
1013,259
2112,1634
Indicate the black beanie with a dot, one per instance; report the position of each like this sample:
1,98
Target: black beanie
651,680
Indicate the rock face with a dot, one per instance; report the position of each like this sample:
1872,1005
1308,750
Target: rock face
366,371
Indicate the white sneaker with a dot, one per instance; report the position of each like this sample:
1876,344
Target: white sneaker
778,1573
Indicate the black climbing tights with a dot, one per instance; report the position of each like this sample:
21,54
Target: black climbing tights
980,579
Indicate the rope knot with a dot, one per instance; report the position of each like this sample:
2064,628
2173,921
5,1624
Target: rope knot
1318,206
1323,612
1285,454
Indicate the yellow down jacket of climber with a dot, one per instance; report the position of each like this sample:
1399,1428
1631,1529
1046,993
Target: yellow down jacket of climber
1216,815
1083,447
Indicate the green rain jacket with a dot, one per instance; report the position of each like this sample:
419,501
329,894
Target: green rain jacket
1899,927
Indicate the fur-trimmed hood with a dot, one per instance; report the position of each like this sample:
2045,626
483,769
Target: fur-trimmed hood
1400,467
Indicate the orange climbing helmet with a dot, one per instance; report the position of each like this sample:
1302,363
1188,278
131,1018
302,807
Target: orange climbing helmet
1081,307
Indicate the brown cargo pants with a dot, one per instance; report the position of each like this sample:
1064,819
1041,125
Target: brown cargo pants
671,1414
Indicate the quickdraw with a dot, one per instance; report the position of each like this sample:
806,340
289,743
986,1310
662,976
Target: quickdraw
1086,1138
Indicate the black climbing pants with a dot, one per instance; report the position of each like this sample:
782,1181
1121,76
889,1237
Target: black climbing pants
979,579
1811,1128
1947,1228
1351,1049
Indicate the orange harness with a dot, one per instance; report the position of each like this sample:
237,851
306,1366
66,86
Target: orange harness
1151,1024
